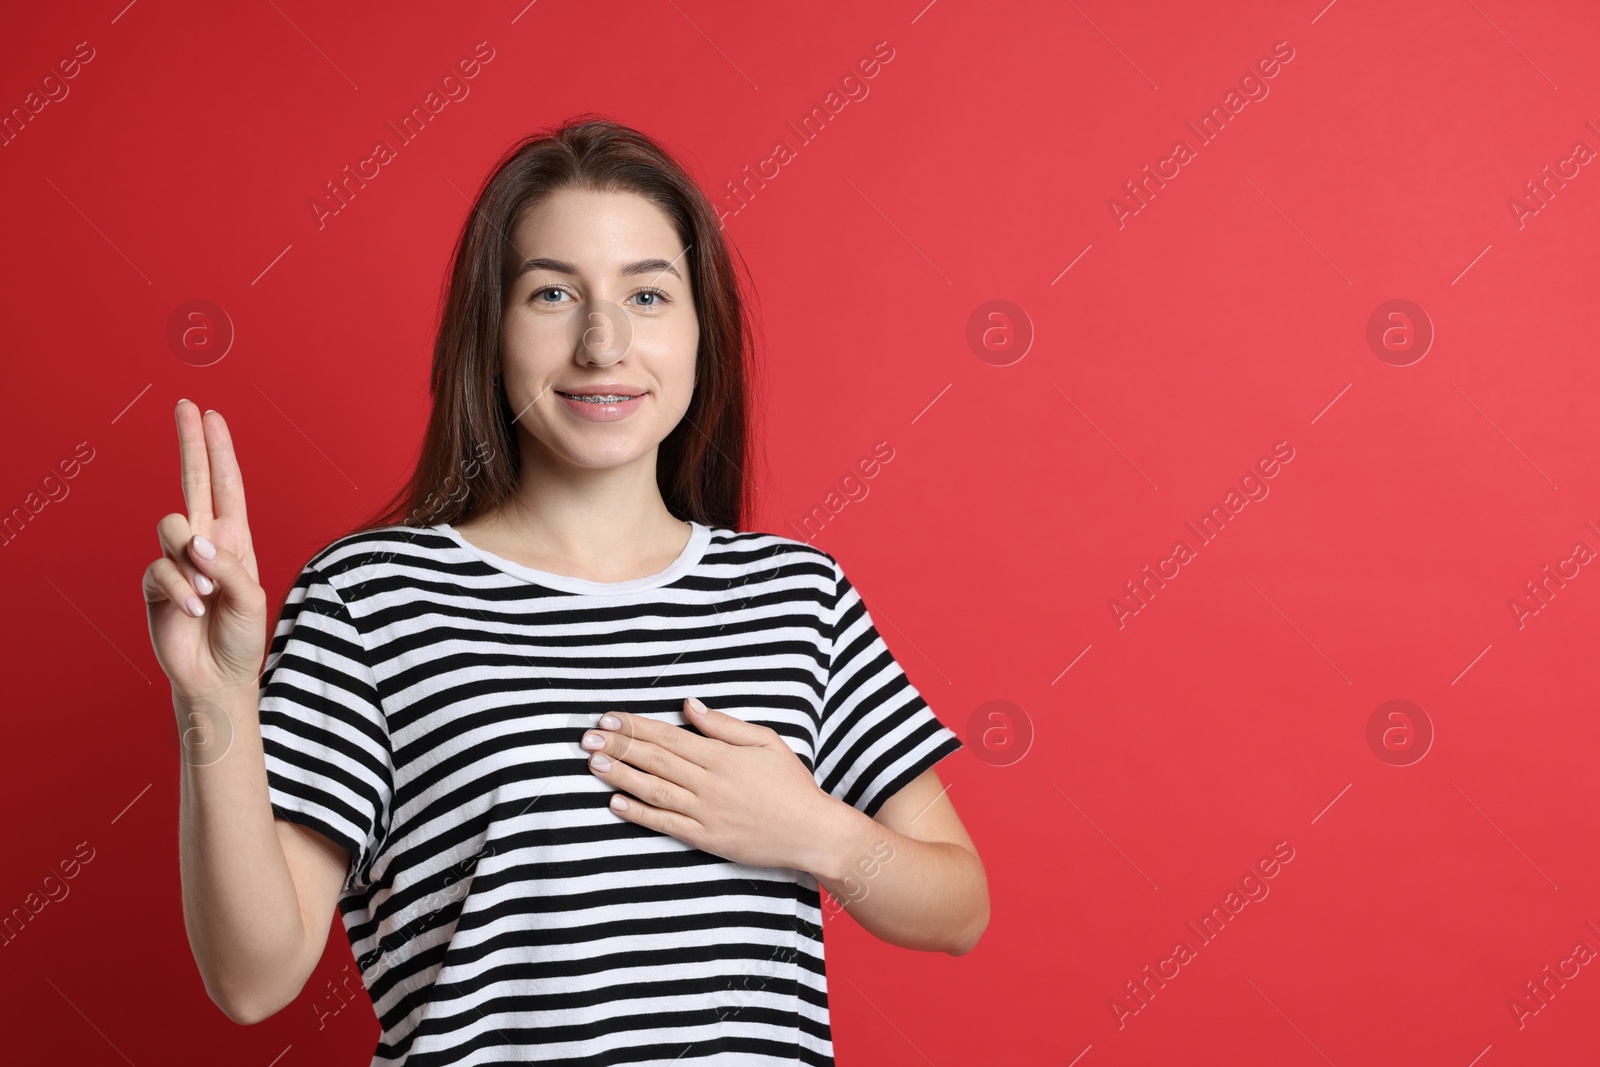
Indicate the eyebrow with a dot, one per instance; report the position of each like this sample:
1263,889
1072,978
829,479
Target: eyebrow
561,266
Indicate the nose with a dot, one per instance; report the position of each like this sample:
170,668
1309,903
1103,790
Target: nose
604,333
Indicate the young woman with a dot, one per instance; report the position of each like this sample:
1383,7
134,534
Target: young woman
480,733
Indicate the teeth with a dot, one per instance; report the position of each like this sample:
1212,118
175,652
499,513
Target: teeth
604,398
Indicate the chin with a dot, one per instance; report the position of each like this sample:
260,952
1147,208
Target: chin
603,458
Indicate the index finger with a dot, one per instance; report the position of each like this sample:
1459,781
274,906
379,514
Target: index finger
196,464
227,484
681,742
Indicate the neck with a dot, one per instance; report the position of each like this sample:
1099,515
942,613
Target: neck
593,520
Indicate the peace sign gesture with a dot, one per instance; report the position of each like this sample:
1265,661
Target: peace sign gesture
208,613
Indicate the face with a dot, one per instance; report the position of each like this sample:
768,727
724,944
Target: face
605,306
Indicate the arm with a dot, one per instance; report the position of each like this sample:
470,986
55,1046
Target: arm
911,875
258,892
737,790
256,898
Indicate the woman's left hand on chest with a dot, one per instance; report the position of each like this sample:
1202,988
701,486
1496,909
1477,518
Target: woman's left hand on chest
739,791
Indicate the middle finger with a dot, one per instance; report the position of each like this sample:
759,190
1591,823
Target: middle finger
645,755
195,465
687,745
657,791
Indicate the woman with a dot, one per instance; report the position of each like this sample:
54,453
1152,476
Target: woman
478,731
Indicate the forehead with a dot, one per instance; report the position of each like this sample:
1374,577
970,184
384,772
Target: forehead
595,230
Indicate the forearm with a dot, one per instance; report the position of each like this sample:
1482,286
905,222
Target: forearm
925,895
240,907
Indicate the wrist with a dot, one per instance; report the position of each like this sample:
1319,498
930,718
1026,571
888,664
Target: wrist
229,694
844,835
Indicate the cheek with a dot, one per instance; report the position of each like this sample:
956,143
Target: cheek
682,351
530,348
525,330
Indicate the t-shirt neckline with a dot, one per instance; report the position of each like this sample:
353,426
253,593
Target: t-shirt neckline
699,538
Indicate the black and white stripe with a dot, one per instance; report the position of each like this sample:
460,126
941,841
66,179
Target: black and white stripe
422,706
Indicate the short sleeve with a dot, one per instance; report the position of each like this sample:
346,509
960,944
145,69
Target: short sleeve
877,732
329,762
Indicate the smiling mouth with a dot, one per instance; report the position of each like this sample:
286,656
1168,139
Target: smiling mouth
599,398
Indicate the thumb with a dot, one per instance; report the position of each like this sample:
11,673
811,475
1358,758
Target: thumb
721,725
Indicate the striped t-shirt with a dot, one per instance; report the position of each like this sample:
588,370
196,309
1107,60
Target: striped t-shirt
422,706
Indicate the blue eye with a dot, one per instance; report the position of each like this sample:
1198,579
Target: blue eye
660,296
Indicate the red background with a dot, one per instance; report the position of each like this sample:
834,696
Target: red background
1227,315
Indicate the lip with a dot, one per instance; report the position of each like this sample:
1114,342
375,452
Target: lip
605,387
592,412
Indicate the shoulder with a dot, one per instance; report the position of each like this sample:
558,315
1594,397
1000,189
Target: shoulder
773,565
759,550
376,552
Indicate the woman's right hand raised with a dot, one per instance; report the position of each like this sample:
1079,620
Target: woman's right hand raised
220,647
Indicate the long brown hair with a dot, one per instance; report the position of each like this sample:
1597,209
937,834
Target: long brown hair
469,461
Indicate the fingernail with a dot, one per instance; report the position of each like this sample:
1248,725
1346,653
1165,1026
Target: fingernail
196,608
179,404
610,722
203,585
619,802
205,548
593,741
599,762
696,706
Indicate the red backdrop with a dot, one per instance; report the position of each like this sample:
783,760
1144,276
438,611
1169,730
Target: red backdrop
1407,492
